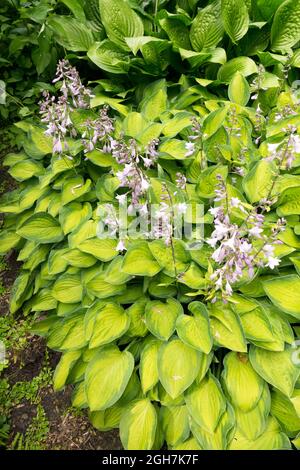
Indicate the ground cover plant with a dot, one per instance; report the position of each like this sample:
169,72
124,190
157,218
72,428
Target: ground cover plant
179,334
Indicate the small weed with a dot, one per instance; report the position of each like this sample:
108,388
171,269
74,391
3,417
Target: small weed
29,390
35,436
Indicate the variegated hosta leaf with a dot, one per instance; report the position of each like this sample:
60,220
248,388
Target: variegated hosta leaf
149,364
226,328
239,89
271,439
284,292
178,366
277,368
102,392
41,228
194,330
111,322
68,289
136,313
103,249
161,317
282,408
67,360
139,261
243,384
8,240
189,444
165,258
251,424
72,215
79,396
295,399
221,437
206,403
138,425
175,424
107,419
68,333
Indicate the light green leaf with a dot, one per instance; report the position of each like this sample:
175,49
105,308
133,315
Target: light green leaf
239,90
26,169
41,228
103,249
284,292
206,403
109,57
220,438
194,329
208,179
244,65
277,368
62,370
138,426
226,328
101,289
68,289
178,366
8,240
73,188
71,216
155,100
101,391
139,261
271,439
258,182
189,444
175,424
161,317
111,322
251,424
243,384
283,410
149,365
214,121
164,256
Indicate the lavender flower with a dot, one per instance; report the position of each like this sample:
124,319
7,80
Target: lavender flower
195,139
239,249
56,113
284,153
99,133
180,180
72,86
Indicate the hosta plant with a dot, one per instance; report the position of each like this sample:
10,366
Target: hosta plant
179,334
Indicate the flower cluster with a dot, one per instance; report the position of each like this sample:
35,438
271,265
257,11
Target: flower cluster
239,250
72,87
257,83
194,140
133,175
98,132
284,153
55,113
233,127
